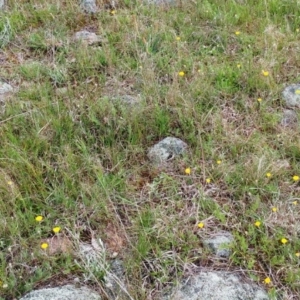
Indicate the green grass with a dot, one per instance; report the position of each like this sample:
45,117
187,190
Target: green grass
77,158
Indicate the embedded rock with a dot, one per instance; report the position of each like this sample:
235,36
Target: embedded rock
65,292
87,37
89,6
166,150
217,286
289,118
220,244
291,95
5,89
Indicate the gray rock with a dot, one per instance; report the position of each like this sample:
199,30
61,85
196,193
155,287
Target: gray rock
65,292
89,6
90,38
217,285
166,150
291,95
128,100
220,244
161,2
289,118
5,90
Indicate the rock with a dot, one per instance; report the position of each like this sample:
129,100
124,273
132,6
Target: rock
289,118
217,285
5,90
166,150
291,95
1,4
65,292
220,244
87,37
128,100
161,2
89,6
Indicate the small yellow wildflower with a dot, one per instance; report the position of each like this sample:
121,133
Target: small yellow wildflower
238,66
177,38
237,33
297,254
297,92
113,12
284,241
44,245
267,280
200,225
257,223
269,175
219,162
295,202
208,180
259,100
9,182
265,73
296,178
39,218
181,73
56,229
297,29
274,209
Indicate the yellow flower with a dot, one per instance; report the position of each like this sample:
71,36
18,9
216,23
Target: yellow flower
296,178
284,241
177,38
274,209
219,162
56,229
257,223
208,180
295,202
9,182
269,175
297,92
238,66
259,99
113,12
265,73
181,73
39,218
44,245
187,171
267,280
237,33
297,254
200,225
297,29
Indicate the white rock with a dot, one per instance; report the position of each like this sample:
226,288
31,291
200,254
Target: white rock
217,286
166,150
90,38
65,292
220,243
291,95
89,6
289,118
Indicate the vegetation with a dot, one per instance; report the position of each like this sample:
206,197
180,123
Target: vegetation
209,72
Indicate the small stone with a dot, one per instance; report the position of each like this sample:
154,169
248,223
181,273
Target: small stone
289,118
90,38
128,100
291,95
89,6
5,90
166,150
220,244
64,292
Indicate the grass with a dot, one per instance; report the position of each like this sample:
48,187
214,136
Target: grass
70,154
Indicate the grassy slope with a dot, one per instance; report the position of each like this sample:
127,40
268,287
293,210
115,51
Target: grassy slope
73,157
